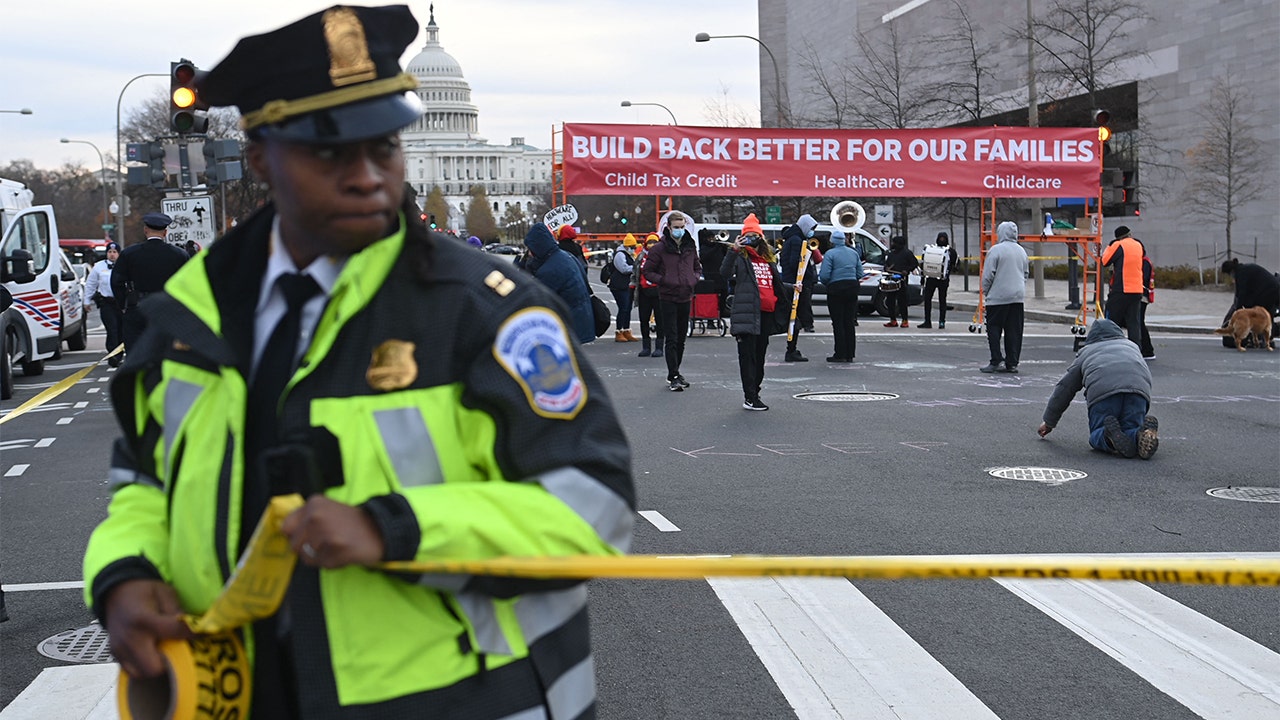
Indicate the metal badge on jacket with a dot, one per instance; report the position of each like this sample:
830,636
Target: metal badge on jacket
392,366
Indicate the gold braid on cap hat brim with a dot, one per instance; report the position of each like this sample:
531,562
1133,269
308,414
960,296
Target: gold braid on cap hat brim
277,111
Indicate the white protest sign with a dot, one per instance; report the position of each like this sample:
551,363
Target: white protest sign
562,215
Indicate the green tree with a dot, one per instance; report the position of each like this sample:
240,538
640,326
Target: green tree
437,206
479,218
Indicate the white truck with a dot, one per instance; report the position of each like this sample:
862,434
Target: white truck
47,301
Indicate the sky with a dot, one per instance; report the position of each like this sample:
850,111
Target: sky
531,64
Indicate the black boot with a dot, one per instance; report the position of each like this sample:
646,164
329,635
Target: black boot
646,350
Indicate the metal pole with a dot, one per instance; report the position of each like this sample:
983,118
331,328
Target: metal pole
777,77
628,103
103,179
1033,120
119,179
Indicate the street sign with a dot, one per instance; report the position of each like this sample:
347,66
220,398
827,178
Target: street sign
192,219
885,231
884,215
772,214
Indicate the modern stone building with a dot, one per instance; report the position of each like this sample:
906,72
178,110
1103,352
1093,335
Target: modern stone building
444,149
1174,53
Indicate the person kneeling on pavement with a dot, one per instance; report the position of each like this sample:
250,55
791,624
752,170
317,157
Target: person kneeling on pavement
1117,388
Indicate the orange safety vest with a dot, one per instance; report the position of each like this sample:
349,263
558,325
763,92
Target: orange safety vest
1125,258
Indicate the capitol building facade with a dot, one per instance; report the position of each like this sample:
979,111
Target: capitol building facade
443,150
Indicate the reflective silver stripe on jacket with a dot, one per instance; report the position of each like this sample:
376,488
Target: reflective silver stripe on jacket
119,477
602,508
484,620
540,613
408,442
573,691
538,713
179,396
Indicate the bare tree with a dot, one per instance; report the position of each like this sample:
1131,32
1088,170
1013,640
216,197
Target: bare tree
722,111
1228,167
965,89
833,87
1085,43
896,80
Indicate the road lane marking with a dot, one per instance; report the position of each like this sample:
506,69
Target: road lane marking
17,470
34,587
1213,670
45,442
94,389
67,693
658,521
81,405
834,654
65,421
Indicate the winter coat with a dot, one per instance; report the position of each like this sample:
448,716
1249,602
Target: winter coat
842,262
1004,273
620,279
1255,287
560,271
901,260
793,240
1108,364
1125,258
673,267
745,317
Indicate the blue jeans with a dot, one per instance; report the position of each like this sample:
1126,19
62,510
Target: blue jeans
623,299
1129,408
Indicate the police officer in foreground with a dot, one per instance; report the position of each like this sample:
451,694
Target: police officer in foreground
143,269
282,359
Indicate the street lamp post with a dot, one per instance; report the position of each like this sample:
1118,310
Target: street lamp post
119,179
103,161
23,111
777,77
628,103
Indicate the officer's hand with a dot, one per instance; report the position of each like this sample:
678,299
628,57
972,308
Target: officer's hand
139,614
1044,429
329,534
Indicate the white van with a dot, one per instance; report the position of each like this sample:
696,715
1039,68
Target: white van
31,268
872,250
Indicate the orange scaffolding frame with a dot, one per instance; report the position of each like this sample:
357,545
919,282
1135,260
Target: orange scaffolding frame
1084,244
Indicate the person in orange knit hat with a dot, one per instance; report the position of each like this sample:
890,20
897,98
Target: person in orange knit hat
759,290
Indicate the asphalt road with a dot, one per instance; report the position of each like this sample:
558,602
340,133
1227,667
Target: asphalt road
904,475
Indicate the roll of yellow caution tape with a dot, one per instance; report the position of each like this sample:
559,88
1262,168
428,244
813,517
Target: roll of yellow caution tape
208,677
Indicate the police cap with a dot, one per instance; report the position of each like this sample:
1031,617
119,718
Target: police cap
157,221
331,77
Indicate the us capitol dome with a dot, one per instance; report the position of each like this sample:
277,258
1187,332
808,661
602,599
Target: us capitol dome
443,149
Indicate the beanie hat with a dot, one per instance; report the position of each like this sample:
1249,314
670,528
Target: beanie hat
651,238
1122,231
629,240
838,237
566,232
752,225
475,241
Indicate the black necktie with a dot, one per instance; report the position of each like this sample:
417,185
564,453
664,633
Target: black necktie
276,365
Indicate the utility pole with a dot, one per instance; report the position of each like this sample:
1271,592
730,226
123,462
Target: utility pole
1033,120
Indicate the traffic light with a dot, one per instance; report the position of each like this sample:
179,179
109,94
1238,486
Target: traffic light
222,161
1102,119
151,153
432,217
623,219
187,113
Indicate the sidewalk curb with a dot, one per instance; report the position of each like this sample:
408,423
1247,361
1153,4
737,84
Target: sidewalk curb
1068,318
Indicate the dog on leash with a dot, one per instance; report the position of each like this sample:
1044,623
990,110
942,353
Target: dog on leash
1255,321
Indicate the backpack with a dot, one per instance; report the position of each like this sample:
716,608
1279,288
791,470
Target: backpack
606,272
934,261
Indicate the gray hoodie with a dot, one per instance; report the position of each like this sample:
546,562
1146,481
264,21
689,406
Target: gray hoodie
1108,364
1004,273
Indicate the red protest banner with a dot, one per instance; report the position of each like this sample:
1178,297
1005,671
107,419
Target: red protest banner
943,162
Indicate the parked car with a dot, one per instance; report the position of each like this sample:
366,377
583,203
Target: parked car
500,249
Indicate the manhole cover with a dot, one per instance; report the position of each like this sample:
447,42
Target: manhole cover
1048,476
82,645
1247,494
846,396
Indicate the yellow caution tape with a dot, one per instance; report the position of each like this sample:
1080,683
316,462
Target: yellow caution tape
57,388
1193,571
259,582
209,676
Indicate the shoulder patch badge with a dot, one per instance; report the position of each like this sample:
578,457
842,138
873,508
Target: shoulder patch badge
533,346
392,366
